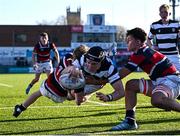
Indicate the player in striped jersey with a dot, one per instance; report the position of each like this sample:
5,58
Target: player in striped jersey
163,85
41,58
52,88
97,67
166,33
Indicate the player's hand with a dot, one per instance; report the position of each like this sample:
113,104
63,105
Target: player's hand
71,95
79,98
102,97
155,47
75,72
35,66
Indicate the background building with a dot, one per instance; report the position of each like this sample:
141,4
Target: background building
17,41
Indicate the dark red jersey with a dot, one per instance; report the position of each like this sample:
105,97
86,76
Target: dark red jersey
52,83
66,60
43,51
152,62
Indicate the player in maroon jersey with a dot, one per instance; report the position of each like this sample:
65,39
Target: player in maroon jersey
41,58
162,87
52,88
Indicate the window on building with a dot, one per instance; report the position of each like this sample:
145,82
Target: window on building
20,38
92,37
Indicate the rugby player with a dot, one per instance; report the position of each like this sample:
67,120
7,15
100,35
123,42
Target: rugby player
52,88
41,58
163,85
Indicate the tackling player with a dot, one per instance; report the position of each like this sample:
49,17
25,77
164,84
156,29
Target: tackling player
163,86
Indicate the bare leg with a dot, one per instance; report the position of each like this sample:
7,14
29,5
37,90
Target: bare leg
36,79
131,90
161,101
129,123
18,109
31,99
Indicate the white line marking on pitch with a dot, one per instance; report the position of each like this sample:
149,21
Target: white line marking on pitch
74,106
99,103
6,85
122,132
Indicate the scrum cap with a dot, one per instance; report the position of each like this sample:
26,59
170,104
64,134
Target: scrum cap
95,53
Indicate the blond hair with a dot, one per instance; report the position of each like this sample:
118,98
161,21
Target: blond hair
79,51
164,6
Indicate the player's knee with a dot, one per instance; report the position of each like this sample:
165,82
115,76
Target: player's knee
132,85
156,100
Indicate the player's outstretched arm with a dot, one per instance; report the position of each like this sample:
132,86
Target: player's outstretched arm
116,95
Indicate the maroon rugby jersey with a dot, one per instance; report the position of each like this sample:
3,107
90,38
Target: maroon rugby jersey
52,82
43,51
152,62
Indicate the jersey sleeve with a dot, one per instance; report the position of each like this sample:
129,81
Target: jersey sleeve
151,32
114,75
35,49
133,62
53,46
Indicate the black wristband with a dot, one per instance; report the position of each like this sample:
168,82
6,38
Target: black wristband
110,97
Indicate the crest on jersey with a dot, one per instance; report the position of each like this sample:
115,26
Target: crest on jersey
173,29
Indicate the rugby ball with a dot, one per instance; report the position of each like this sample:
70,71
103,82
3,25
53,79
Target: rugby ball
70,82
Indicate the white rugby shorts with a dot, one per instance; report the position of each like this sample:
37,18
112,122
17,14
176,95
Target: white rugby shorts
54,97
43,67
168,85
175,59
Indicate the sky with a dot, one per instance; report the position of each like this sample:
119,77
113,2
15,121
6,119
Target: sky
126,13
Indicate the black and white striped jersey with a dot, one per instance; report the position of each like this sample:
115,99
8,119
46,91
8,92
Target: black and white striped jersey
166,36
107,70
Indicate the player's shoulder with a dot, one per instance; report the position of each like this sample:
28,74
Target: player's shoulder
52,45
106,63
173,21
157,22
67,60
36,46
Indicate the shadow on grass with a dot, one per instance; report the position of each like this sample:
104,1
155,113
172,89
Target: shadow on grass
168,132
159,121
145,107
93,126
63,117
109,109
80,127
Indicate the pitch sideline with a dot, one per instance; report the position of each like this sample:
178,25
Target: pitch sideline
6,85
